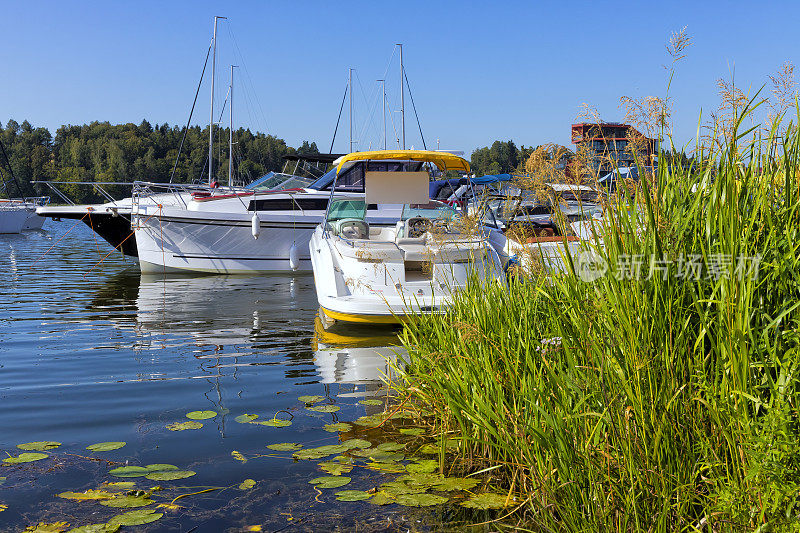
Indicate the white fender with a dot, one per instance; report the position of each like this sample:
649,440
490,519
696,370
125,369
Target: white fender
256,226
294,257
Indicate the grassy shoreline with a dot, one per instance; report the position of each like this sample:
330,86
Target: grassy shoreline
641,402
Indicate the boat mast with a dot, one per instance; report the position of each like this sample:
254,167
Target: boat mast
383,87
211,120
230,136
350,88
402,95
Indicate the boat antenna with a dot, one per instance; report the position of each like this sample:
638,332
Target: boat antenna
230,136
11,170
402,95
341,108
188,122
415,112
211,119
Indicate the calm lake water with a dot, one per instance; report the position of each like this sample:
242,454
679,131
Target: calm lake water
89,355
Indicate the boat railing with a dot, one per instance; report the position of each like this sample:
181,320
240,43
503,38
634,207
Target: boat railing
181,191
97,186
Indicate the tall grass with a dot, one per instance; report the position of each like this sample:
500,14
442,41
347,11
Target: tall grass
642,403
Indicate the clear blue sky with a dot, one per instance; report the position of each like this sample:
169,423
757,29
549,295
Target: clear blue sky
479,71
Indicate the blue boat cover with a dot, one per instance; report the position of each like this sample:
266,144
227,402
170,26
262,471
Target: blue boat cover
452,184
491,178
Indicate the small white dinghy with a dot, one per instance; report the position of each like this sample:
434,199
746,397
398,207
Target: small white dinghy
378,275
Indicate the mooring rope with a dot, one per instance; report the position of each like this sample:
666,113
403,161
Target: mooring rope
59,239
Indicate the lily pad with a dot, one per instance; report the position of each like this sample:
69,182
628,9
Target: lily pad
180,426
352,495
385,457
238,456
201,415
414,432
456,483
330,482
39,446
423,466
310,453
136,518
127,501
3,480
25,458
370,402
428,449
398,487
324,408
486,500
96,528
420,500
88,495
421,479
369,421
129,471
170,476
340,426
121,485
106,446
311,399
275,422
43,527
382,498
390,446
389,468
245,418
247,484
357,443
335,469
285,446
161,467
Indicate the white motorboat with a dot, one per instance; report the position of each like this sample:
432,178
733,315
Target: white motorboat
536,232
378,274
249,231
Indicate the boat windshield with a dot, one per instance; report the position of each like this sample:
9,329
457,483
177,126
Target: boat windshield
278,181
350,208
432,210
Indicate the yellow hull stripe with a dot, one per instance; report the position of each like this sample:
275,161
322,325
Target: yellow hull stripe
364,319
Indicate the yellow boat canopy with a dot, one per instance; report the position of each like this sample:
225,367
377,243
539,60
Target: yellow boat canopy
443,160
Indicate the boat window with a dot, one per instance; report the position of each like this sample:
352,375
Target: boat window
276,181
347,208
431,210
352,178
288,204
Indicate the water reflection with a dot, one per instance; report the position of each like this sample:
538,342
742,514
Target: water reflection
352,354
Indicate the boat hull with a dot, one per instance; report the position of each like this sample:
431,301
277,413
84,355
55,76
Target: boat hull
223,244
12,220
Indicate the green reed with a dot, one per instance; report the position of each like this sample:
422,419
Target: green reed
641,403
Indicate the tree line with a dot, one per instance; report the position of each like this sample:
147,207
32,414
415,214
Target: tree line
102,152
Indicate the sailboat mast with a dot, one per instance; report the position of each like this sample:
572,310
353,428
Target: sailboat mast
230,136
350,88
383,88
402,96
211,120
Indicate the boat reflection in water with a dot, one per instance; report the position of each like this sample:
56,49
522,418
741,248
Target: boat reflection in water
347,353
